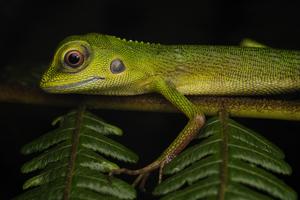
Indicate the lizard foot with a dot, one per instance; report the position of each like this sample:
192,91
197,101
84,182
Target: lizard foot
143,173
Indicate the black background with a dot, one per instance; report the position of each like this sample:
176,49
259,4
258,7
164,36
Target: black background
32,29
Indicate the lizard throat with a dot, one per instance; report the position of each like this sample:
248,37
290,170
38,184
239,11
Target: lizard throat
71,85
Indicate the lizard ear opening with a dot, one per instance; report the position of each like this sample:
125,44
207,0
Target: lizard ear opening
117,66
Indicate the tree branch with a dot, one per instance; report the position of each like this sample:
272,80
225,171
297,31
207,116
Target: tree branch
236,106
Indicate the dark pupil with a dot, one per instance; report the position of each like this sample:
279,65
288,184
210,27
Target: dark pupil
74,58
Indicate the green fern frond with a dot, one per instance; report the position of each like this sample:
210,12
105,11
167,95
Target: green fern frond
70,163
230,162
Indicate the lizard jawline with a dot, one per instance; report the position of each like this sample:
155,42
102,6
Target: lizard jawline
72,85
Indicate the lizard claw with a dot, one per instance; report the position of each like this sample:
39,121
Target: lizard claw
141,181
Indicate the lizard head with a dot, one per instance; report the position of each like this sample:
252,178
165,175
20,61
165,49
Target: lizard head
94,64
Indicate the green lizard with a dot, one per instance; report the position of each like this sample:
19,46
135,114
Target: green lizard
106,65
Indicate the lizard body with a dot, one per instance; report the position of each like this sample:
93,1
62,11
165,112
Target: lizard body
191,69
101,64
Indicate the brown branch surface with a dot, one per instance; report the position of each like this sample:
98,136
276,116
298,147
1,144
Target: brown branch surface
236,106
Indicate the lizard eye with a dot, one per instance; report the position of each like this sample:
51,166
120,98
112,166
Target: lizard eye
74,58
117,66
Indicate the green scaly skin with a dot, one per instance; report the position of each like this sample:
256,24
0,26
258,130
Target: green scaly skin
173,71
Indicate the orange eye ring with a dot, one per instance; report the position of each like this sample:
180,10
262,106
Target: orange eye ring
74,58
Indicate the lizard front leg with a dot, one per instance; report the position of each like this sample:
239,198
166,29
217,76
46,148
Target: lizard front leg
196,121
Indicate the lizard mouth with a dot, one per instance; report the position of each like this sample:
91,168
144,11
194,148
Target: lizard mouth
67,86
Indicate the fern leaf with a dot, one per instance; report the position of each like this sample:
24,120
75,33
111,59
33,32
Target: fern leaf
229,162
106,146
47,140
73,161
